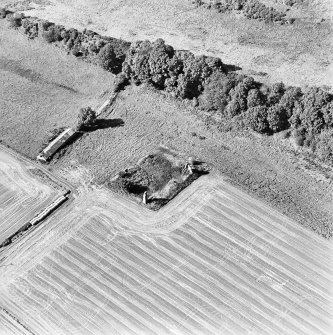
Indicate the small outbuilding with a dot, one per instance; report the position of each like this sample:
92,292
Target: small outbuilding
55,145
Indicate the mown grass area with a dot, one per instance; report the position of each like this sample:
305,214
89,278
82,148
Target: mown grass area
150,119
42,88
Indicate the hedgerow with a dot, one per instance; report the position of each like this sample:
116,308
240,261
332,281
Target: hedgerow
105,51
179,72
252,9
262,108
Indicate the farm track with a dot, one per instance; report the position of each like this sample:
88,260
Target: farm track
214,260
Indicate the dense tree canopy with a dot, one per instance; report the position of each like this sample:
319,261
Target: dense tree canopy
257,119
86,118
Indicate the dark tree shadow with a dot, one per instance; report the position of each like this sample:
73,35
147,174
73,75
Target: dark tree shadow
103,124
230,67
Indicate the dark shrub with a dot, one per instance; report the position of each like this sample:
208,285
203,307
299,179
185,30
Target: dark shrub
70,44
3,13
254,98
254,9
277,118
15,21
238,95
107,58
196,73
86,118
120,82
324,146
76,50
289,98
149,61
158,63
44,25
276,92
65,36
53,34
216,91
73,33
290,2
327,112
308,111
256,118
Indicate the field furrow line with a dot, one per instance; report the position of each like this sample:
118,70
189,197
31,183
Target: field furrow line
265,214
140,299
59,292
214,287
204,292
91,296
31,313
249,286
242,258
261,264
279,264
101,289
256,223
115,263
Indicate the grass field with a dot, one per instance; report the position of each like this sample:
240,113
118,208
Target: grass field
212,261
41,88
299,54
259,164
21,195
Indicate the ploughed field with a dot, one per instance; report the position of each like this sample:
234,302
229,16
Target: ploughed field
9,326
213,261
21,195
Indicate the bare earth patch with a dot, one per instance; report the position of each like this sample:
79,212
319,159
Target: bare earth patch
157,178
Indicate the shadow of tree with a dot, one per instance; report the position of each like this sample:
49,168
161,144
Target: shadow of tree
230,67
104,124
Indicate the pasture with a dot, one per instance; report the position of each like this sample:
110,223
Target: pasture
21,195
42,88
298,55
213,261
140,120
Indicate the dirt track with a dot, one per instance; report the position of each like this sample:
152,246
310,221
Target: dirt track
214,259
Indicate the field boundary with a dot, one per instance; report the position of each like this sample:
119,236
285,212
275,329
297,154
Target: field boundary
7,315
64,184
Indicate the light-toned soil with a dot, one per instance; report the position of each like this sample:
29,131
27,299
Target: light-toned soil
21,195
9,326
41,88
214,260
298,54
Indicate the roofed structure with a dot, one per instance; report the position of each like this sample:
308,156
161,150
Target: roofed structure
56,144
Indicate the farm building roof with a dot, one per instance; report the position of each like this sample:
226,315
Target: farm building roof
58,142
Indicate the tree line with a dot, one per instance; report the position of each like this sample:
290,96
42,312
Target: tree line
308,113
252,9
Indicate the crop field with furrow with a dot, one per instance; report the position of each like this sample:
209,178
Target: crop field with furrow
21,195
229,265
